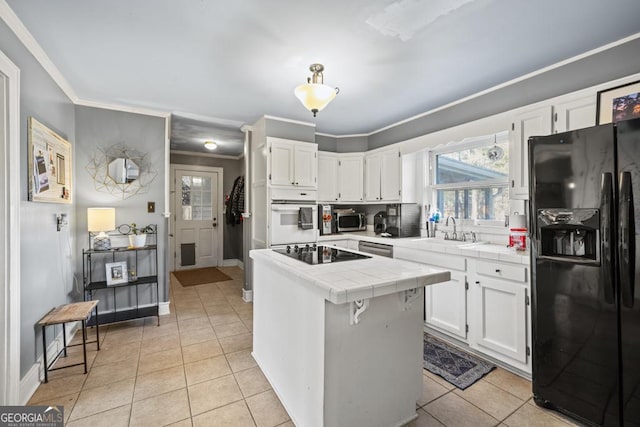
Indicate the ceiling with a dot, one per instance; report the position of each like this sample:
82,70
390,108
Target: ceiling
219,64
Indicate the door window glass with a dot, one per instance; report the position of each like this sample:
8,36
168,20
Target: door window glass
197,200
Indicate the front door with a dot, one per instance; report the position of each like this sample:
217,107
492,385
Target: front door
196,231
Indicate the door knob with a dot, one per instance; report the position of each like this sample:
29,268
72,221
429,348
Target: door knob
215,224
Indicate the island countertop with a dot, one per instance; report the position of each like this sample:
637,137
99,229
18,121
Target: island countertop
349,281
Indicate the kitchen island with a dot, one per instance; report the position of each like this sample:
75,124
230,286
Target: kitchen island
341,342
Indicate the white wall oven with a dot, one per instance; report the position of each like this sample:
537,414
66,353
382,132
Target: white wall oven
285,227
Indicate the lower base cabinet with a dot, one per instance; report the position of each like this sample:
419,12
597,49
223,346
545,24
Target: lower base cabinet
446,305
500,317
485,305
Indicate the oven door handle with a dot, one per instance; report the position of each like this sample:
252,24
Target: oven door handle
291,208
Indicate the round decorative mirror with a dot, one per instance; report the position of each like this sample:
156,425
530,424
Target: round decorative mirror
121,170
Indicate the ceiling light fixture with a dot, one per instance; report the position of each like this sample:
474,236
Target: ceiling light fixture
315,95
210,145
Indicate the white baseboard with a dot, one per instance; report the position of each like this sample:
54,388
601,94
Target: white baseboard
29,383
231,262
247,295
163,308
241,264
32,379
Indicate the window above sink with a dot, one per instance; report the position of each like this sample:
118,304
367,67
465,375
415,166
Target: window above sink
470,178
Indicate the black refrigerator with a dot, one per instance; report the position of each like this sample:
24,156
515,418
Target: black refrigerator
585,283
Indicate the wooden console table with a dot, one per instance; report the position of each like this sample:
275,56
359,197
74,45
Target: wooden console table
74,312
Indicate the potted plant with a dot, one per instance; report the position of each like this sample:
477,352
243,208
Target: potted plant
138,235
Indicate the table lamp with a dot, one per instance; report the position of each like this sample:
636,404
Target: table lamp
100,220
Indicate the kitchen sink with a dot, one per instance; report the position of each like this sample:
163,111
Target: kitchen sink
443,242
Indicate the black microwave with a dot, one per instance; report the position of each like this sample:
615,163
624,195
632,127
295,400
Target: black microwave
350,221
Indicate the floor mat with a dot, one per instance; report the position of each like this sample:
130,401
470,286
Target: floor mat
454,365
200,276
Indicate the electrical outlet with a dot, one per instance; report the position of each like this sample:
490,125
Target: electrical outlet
151,207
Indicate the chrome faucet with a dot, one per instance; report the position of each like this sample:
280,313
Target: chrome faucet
454,235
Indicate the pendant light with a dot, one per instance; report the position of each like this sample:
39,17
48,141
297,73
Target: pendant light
495,153
315,95
210,145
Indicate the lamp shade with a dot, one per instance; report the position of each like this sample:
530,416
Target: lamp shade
101,219
315,96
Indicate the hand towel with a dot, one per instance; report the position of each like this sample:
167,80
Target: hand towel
305,218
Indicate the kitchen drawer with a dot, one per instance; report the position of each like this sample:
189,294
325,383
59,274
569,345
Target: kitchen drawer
451,262
517,273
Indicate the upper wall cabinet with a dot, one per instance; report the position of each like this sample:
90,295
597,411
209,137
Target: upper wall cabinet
351,177
533,122
292,163
340,177
382,176
327,176
575,113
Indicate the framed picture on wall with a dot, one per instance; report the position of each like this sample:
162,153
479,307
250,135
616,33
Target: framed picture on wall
117,273
50,166
618,103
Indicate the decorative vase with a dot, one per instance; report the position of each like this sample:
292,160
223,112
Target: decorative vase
137,240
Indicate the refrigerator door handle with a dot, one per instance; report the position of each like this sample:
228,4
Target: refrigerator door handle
606,236
626,241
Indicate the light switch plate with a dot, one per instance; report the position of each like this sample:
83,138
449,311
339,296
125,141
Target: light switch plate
151,207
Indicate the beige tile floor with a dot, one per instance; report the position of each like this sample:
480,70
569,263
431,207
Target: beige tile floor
196,369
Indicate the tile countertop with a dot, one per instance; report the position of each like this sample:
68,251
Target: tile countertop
353,280
481,250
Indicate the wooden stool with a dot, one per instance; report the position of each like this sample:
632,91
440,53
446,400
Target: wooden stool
74,312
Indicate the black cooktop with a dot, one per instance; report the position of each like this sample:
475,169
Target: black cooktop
319,254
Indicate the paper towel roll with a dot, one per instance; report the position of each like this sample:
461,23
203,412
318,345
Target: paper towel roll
517,221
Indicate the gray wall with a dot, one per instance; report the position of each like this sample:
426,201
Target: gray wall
47,268
95,128
289,130
232,245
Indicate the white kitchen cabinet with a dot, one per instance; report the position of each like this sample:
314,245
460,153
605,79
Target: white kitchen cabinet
575,113
383,176
445,303
500,310
340,177
293,164
351,177
533,122
327,177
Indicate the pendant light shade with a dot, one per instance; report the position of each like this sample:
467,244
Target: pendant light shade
315,95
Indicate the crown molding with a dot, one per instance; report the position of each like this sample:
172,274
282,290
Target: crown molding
282,119
123,108
15,24
199,154
355,135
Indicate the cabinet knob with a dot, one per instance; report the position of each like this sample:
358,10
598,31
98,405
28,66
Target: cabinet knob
497,270
513,183
477,282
